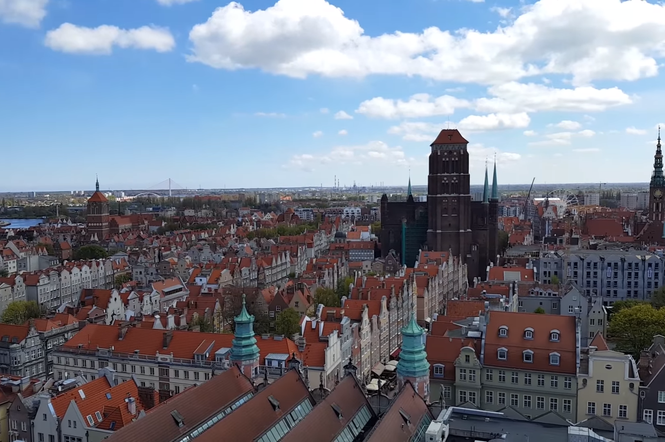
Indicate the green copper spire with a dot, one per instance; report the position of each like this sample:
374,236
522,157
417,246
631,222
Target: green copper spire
408,190
495,186
486,188
97,183
657,179
244,345
413,358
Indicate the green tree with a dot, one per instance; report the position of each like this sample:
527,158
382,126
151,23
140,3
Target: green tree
122,279
90,252
287,322
621,305
4,273
376,228
201,324
48,247
327,297
503,241
632,329
343,287
555,280
540,311
658,298
18,312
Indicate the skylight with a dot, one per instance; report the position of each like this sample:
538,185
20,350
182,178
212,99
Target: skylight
82,394
274,402
108,396
337,410
177,417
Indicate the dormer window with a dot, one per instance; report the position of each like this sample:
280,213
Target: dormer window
439,370
527,356
554,335
528,333
555,358
503,331
502,354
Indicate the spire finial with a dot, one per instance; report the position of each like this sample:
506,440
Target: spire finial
244,302
495,186
486,187
97,182
408,190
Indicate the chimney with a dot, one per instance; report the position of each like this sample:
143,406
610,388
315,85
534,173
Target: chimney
166,340
122,331
645,360
331,315
301,343
131,405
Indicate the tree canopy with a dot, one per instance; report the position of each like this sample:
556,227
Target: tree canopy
122,279
633,328
503,240
4,273
540,311
18,312
343,287
658,298
91,251
327,297
287,322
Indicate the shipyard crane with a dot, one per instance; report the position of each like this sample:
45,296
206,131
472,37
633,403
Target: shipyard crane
526,203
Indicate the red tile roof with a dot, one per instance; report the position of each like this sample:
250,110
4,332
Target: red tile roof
464,308
450,136
541,346
20,332
599,342
510,274
98,197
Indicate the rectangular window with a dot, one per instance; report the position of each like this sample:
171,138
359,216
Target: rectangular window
447,392
567,405
527,401
489,375
514,377
502,376
623,411
514,400
615,387
472,375
541,380
540,402
660,417
176,373
590,408
527,378
489,397
647,416
600,386
472,397
567,382
462,396
661,397
607,409
462,374
554,404
502,398
554,382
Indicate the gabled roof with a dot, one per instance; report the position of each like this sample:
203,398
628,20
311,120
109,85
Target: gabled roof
98,197
333,414
403,419
196,405
259,414
450,136
599,342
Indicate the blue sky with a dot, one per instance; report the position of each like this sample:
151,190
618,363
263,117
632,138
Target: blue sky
294,92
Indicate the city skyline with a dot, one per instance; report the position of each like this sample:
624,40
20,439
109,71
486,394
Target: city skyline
193,90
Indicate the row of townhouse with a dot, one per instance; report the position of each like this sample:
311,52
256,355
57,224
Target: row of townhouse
532,366
612,274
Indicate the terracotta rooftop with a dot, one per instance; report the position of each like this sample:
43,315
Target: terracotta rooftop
260,413
450,136
98,197
195,405
333,414
464,308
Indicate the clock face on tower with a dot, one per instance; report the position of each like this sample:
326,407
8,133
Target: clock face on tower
658,194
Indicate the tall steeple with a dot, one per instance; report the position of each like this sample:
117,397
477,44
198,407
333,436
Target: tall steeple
413,366
486,188
495,186
408,189
96,183
244,351
657,179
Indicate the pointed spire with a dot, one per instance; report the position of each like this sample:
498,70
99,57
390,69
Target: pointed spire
408,190
97,183
244,345
486,188
657,178
495,186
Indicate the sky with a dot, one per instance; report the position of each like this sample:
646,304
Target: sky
295,93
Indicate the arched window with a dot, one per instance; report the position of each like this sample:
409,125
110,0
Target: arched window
528,333
503,331
555,358
527,356
554,335
502,354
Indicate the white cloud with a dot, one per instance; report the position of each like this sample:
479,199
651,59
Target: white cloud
634,131
478,154
452,90
567,125
418,106
317,134
604,40
341,115
494,122
518,97
562,138
28,13
587,150
530,133
343,132
269,114
101,40
416,131
324,110
174,2
374,151
503,12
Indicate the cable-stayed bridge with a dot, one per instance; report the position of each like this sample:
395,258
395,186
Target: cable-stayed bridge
168,185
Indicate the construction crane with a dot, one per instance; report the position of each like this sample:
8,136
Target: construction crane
526,203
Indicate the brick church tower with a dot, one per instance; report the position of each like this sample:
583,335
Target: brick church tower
97,217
